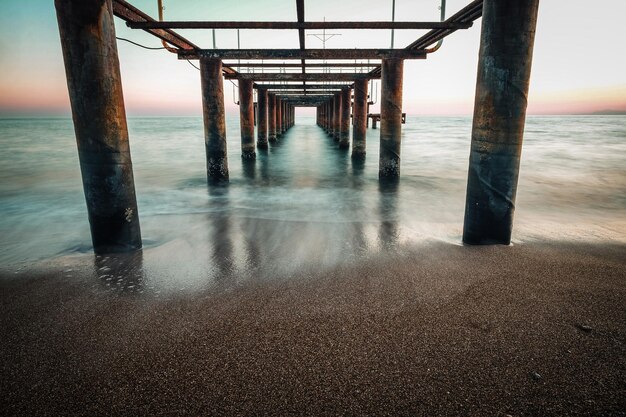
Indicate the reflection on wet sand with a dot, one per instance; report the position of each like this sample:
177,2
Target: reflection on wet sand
388,232
221,232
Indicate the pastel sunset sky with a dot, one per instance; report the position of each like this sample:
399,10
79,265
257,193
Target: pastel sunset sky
579,65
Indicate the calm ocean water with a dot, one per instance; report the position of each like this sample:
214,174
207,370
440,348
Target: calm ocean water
304,200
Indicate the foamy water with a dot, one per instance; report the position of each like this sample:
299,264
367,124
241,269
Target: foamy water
304,202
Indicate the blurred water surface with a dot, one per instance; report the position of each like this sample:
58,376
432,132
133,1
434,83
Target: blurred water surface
305,202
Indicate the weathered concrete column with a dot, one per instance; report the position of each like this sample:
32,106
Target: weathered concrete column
214,119
95,88
359,118
262,119
283,117
344,130
337,116
506,50
271,117
279,117
246,119
390,118
329,116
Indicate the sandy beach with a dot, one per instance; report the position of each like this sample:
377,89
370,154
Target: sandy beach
535,329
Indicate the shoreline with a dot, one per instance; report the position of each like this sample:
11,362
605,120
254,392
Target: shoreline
529,329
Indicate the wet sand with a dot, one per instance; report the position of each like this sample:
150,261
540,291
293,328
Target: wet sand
531,329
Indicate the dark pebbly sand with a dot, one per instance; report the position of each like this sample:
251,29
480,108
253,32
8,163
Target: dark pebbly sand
537,329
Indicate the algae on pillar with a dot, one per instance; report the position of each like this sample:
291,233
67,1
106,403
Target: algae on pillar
246,119
506,50
262,119
214,119
390,118
95,88
359,118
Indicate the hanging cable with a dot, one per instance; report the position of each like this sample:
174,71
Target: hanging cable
138,44
442,8
192,64
165,45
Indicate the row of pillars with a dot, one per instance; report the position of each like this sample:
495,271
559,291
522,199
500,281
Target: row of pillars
93,76
275,117
334,117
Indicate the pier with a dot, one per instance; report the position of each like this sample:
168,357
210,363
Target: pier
92,67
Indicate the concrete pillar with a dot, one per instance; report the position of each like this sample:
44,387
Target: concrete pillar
390,118
271,117
279,117
337,116
344,130
285,116
359,118
506,50
214,119
262,119
246,119
95,88
329,116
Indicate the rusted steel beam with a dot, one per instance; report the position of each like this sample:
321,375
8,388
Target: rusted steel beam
359,118
390,118
466,15
262,119
308,65
281,76
214,120
305,104
305,97
344,130
94,82
273,87
303,54
299,25
246,119
131,14
504,64
271,117
315,93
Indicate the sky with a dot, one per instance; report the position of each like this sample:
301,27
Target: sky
578,65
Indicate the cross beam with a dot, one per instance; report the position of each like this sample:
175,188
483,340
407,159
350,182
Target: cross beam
299,25
308,65
301,86
282,76
303,54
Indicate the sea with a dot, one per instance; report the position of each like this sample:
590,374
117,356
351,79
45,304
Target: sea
303,203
